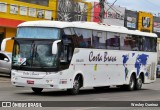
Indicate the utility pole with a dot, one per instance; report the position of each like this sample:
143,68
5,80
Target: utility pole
102,12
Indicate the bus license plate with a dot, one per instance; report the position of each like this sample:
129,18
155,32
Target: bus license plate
30,82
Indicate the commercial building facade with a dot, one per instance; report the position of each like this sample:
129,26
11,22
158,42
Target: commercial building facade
14,12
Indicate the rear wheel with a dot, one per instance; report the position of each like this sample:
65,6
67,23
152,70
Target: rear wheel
139,82
132,83
37,90
76,86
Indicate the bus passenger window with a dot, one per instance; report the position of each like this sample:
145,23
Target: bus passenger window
149,44
113,41
141,43
95,39
84,37
126,42
135,43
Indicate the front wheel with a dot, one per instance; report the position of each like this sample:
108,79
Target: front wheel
132,82
76,87
131,85
37,90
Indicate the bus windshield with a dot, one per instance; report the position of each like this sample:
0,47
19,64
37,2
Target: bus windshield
38,32
33,54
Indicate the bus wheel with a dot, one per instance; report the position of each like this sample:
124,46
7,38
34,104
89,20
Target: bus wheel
37,90
139,82
76,87
132,83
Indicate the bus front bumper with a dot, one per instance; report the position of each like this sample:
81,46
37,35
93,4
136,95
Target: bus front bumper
37,83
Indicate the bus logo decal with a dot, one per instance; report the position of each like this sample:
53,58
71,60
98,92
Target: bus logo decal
99,57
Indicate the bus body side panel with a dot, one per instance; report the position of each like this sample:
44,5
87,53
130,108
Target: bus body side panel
113,67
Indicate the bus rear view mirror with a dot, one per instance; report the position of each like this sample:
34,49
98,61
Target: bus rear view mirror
55,46
3,44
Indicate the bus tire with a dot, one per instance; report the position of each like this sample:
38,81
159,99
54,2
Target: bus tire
76,87
132,83
37,90
139,82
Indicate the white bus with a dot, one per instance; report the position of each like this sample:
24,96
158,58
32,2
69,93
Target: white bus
72,55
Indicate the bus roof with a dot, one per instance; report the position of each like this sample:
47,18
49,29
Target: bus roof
86,25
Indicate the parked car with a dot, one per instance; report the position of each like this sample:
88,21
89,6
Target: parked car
5,62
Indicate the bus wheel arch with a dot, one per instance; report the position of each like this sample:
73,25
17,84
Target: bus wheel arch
77,84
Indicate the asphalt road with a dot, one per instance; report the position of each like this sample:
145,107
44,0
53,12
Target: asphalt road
149,92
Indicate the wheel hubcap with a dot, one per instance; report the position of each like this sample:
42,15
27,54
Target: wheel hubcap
139,82
76,85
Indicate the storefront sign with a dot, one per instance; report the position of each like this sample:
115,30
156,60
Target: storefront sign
32,12
23,10
145,22
113,15
131,19
3,7
14,9
48,14
156,25
40,13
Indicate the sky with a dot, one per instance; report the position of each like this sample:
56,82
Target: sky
152,6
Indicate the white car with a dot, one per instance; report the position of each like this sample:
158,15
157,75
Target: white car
5,62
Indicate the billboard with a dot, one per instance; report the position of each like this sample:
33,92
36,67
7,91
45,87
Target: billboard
114,15
130,20
145,21
68,10
156,25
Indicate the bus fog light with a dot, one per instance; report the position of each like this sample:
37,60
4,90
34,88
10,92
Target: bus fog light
14,78
49,81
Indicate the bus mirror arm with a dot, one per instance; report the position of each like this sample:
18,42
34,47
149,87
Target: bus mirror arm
55,46
3,44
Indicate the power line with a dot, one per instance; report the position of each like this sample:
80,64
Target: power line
111,5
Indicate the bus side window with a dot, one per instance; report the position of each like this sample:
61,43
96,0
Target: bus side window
84,37
113,41
126,42
99,39
95,39
149,44
141,43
